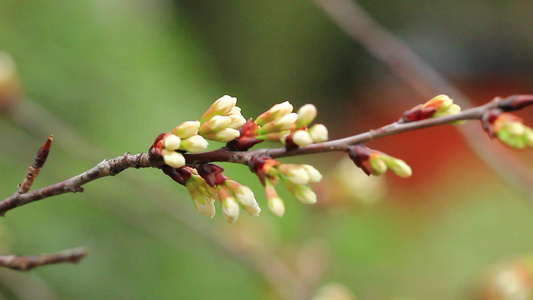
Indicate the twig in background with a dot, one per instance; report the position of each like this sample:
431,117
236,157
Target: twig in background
19,262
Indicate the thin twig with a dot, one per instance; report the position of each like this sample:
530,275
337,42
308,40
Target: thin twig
18,262
105,168
408,66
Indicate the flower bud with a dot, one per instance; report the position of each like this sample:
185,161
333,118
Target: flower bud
235,111
528,137
230,207
306,115
378,165
441,103
303,193
284,123
319,133
314,174
274,202
201,198
205,206
512,132
186,129
225,135
215,124
237,120
398,166
173,158
245,196
195,143
222,106
302,138
295,173
171,142
274,112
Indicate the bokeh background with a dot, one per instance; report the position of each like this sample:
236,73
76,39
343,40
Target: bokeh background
106,77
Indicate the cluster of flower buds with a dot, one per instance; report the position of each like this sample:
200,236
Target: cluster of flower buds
183,138
222,121
207,184
438,106
509,129
373,162
280,124
296,179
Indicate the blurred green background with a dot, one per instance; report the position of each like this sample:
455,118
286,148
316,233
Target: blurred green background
106,77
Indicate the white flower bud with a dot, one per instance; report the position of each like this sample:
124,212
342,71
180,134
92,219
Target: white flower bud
246,197
218,123
274,112
314,174
224,135
302,138
224,104
319,133
286,122
235,111
274,202
276,206
171,142
306,115
230,209
281,109
206,207
173,158
202,200
195,143
305,195
237,120
297,175
186,129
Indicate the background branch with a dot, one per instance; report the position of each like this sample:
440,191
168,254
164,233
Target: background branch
19,262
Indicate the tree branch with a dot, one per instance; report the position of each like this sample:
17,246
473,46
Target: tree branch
116,165
18,262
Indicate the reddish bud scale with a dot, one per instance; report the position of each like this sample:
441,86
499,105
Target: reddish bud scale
289,143
155,149
515,102
261,165
418,113
247,138
179,175
360,155
488,119
173,173
42,153
212,174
